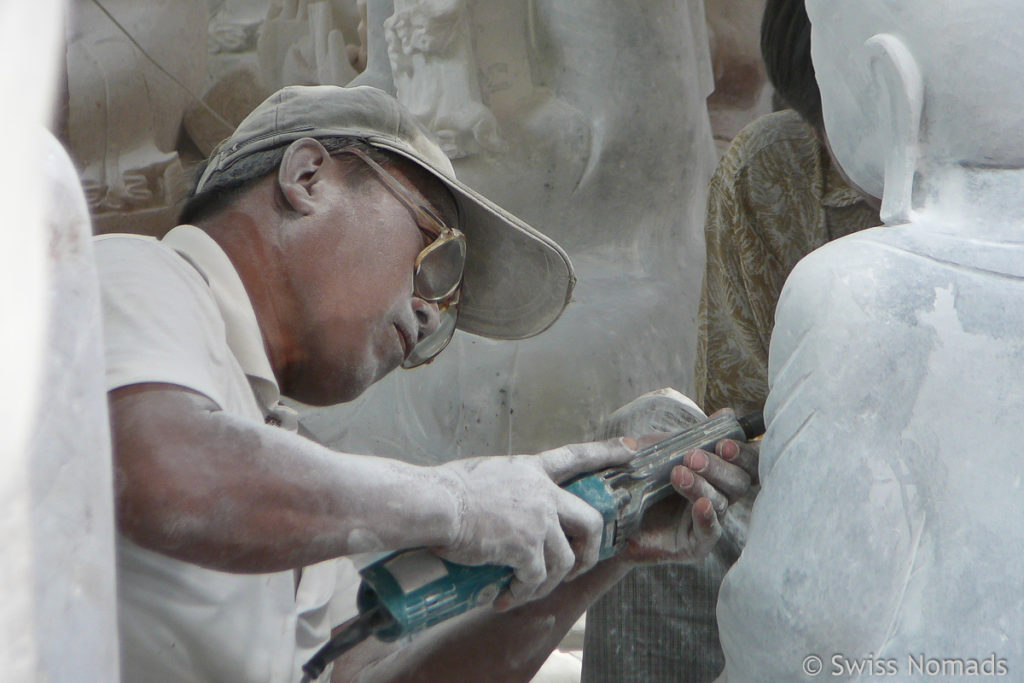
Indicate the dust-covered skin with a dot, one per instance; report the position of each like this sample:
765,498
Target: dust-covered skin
295,503
503,500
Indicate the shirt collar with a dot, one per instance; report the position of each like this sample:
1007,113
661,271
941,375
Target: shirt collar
241,327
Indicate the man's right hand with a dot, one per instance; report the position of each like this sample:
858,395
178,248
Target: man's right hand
511,510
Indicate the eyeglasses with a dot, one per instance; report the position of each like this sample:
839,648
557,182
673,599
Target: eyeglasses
437,271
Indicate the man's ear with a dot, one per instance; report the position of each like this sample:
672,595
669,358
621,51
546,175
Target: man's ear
300,171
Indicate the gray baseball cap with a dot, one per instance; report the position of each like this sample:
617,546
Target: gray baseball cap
517,281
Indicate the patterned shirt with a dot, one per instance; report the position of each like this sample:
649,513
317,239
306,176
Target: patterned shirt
775,197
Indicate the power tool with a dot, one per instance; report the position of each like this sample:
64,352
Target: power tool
411,590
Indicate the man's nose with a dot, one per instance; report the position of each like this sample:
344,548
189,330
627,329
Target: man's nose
428,317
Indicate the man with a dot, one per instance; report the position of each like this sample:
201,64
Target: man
330,244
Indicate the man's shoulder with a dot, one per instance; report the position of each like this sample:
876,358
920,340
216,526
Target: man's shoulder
123,250
121,243
141,271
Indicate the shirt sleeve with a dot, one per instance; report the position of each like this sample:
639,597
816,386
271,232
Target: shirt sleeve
732,347
160,323
763,215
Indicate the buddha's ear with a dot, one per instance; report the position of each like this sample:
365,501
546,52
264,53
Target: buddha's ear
299,171
900,97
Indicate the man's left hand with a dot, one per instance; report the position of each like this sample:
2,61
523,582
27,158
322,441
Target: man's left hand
686,528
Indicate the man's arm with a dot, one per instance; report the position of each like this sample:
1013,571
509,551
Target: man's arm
224,492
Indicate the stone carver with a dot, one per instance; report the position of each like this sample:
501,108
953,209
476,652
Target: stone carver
327,243
895,409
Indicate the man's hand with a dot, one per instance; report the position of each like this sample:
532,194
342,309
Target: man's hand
512,511
686,529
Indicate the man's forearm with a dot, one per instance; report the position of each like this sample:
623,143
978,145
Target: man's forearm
222,492
498,646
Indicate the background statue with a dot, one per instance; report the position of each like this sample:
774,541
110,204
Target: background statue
886,538
124,113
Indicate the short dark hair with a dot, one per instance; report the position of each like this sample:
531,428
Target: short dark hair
786,50
226,186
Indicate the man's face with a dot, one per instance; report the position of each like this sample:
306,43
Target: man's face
351,268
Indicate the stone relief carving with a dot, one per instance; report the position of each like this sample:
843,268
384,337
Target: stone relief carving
124,113
435,73
306,42
234,83
235,25
217,60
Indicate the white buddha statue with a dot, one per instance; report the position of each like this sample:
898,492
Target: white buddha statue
888,536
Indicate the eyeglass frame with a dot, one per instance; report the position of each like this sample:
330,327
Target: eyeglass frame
447,301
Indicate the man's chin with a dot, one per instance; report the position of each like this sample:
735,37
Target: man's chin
328,393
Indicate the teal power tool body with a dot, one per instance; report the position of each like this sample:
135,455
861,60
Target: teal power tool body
409,591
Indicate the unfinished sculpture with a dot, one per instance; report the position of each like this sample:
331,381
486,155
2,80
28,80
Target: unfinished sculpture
57,601
887,537
602,143
70,459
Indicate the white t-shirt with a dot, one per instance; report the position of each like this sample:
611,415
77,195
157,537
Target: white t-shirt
175,311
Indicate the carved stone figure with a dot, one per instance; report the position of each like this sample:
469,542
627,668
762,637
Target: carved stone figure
886,538
305,42
604,145
124,112
435,72
234,83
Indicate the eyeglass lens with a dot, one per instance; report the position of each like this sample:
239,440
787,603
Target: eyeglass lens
439,270
427,349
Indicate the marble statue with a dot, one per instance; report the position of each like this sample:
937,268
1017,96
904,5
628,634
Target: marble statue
57,612
887,537
589,121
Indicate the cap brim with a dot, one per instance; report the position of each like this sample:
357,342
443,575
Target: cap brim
517,281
